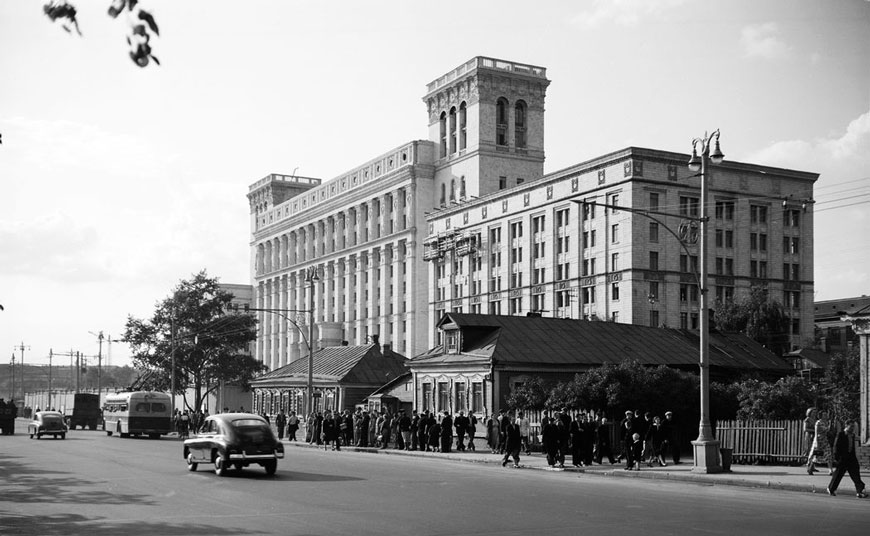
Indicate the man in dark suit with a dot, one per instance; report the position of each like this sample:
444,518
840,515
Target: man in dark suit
844,455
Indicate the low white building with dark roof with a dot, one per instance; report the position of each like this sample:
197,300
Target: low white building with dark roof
343,377
484,356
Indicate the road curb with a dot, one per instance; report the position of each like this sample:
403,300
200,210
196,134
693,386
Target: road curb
700,479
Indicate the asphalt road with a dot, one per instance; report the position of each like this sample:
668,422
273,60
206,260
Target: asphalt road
95,485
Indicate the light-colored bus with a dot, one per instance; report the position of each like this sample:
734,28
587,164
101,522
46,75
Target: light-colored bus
137,413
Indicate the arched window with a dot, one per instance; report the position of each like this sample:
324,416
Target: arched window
452,190
443,194
452,126
443,134
520,124
462,126
501,121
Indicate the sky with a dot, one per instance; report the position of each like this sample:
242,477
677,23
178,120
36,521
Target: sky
117,182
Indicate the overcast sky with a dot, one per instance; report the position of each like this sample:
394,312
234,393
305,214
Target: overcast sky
116,182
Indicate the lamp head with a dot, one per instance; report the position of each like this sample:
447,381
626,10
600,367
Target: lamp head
694,161
716,155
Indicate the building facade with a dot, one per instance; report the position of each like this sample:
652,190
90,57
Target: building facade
630,253
361,232
503,238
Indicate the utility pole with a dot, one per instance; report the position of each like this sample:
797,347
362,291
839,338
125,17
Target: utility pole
49,378
22,347
13,377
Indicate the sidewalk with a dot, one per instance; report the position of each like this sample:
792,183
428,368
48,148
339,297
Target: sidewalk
778,477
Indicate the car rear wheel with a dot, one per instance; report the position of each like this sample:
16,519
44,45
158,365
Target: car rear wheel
271,466
191,465
220,465
63,436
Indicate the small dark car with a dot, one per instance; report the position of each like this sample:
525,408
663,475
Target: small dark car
47,423
234,440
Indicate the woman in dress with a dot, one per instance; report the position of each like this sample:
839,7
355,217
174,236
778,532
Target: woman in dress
821,443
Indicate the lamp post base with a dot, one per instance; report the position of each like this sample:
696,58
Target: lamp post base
706,456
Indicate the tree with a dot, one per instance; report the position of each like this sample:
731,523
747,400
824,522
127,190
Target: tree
209,342
842,387
141,24
788,398
760,318
530,395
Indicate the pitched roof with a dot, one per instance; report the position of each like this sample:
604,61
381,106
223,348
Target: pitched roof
340,364
553,341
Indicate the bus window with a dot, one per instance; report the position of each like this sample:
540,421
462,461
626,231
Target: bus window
123,407
158,407
142,407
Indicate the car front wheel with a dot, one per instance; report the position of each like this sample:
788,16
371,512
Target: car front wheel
191,465
220,465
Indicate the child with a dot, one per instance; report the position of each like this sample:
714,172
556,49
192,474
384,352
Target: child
635,453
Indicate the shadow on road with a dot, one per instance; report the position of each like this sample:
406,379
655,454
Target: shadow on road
28,484
65,524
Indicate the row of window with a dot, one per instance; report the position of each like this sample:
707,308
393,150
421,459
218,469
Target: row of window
437,396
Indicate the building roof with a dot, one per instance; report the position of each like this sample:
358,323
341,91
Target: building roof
360,365
517,340
832,310
811,358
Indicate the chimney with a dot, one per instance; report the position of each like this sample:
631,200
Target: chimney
376,339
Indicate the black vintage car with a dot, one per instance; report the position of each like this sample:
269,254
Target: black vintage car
234,440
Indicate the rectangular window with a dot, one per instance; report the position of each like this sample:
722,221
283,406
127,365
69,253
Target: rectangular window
653,260
653,290
720,240
689,206
753,241
653,319
502,183
757,214
476,397
615,317
684,320
495,307
614,233
588,211
762,242
460,397
516,305
443,396
729,239
614,262
654,233
762,269
614,291
720,266
653,201
753,268
588,294
614,200
427,397
729,266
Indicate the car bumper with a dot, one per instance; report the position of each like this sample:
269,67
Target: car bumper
243,456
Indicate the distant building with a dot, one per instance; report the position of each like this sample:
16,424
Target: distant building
343,376
833,334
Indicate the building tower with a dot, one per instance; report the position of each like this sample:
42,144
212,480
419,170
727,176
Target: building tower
486,118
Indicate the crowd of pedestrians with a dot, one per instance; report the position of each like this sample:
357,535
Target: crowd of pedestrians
584,438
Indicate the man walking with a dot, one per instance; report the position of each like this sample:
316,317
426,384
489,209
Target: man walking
844,455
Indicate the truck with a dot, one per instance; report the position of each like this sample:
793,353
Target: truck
84,412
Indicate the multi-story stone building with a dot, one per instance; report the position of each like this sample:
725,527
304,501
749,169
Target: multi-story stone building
504,238
536,248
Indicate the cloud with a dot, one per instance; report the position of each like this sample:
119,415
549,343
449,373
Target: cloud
763,41
622,12
824,152
55,247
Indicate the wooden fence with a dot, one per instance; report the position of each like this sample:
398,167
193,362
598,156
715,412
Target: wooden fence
754,441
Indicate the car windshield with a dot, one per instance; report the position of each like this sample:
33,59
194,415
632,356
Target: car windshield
51,419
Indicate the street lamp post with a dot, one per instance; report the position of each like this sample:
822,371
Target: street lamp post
706,447
311,278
